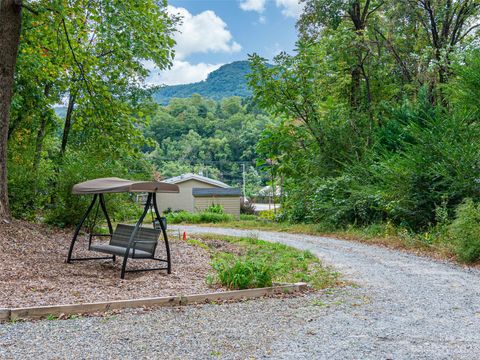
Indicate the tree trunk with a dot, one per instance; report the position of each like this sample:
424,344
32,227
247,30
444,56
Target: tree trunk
68,123
10,26
41,135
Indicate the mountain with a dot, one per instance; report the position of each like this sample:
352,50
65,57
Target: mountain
228,80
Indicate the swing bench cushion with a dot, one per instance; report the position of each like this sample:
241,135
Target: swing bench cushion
143,245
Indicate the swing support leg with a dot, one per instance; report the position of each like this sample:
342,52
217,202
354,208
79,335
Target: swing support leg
134,233
101,200
164,233
152,198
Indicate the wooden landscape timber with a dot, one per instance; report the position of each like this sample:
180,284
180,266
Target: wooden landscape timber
39,312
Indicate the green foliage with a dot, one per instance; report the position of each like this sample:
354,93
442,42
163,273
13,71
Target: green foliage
237,273
216,209
66,209
75,50
197,218
266,215
368,134
264,262
464,231
229,80
209,137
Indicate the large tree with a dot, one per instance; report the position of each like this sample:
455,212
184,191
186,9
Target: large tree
10,27
92,53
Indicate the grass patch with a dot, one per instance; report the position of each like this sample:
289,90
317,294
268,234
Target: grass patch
430,243
262,263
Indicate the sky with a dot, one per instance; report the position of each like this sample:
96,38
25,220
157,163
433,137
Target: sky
217,32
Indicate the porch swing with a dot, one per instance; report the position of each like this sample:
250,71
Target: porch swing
127,241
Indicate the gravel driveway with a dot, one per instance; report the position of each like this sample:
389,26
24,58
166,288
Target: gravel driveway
405,307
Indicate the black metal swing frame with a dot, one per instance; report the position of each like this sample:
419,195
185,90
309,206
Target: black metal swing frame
98,198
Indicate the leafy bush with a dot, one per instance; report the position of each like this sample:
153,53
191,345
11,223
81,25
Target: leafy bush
267,215
465,231
241,273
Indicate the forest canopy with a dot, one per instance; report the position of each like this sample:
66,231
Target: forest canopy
378,108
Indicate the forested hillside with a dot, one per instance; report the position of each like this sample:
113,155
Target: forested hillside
229,80
216,138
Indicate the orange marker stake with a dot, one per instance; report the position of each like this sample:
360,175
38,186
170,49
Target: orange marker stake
184,235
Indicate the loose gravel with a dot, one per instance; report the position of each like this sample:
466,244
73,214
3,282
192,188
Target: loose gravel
403,307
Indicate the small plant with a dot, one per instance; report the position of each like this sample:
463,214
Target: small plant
51,317
215,209
242,273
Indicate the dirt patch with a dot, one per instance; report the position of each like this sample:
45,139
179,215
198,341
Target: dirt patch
33,270
223,246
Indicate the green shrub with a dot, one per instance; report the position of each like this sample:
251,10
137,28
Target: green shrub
267,215
242,273
197,218
465,231
215,208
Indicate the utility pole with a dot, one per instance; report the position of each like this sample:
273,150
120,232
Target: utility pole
243,176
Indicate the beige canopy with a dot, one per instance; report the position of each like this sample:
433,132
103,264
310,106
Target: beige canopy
117,185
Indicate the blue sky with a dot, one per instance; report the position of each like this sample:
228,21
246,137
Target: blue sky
216,32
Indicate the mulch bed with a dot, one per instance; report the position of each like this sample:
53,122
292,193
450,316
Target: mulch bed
33,270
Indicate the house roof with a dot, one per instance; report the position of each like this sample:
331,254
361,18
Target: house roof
191,176
201,192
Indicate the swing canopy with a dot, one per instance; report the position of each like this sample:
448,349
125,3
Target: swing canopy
117,185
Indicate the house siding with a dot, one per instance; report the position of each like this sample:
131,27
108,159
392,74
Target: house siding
184,199
230,204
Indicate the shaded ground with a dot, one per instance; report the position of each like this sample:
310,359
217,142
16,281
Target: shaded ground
33,270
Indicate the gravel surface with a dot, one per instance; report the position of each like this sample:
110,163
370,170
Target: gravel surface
404,307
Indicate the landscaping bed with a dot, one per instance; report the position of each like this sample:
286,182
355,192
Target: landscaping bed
33,271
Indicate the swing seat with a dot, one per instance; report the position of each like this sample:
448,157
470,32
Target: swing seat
143,244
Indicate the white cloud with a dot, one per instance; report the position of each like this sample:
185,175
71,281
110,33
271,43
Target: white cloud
253,5
290,8
182,72
202,33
